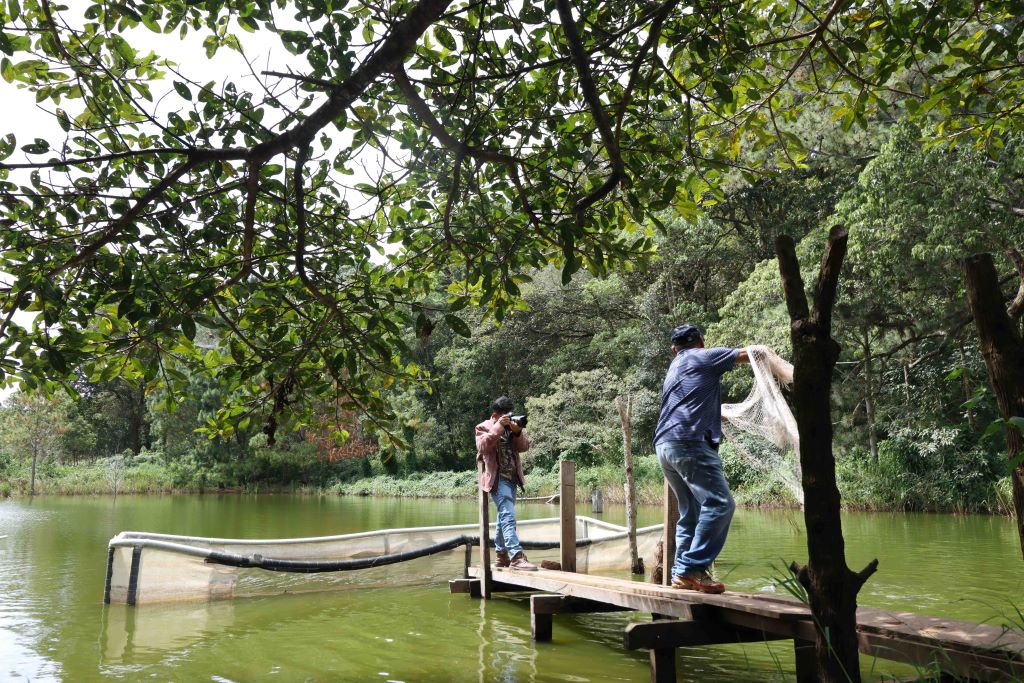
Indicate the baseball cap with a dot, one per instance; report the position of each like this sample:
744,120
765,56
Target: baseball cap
686,334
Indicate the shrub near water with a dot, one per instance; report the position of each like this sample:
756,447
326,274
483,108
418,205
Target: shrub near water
940,469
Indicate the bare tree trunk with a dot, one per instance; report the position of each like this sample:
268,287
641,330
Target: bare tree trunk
869,396
1003,350
35,454
626,417
966,384
831,587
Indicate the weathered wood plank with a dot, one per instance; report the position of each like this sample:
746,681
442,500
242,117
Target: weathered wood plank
567,604
652,635
978,651
736,601
567,508
927,629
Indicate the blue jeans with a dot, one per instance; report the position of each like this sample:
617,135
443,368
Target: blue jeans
694,471
505,538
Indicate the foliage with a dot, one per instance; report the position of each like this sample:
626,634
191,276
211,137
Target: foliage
496,138
942,469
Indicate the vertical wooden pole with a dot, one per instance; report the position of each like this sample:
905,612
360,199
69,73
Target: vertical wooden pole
540,622
806,663
567,504
670,514
663,665
485,532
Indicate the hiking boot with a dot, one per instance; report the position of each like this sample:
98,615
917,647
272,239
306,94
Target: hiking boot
501,558
698,580
520,562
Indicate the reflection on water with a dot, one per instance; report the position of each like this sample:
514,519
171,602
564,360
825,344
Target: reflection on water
399,622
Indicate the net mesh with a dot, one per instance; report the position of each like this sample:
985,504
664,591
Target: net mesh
761,428
178,568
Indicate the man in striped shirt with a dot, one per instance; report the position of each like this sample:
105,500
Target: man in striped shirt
686,441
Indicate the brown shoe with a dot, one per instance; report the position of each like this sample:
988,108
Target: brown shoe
520,562
501,558
698,580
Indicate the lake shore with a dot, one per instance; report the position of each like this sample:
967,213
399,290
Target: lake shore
149,477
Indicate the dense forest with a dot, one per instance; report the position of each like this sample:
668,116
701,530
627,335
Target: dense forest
916,425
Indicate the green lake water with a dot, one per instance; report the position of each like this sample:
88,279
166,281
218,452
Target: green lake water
402,624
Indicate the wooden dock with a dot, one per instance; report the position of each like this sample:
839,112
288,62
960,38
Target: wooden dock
682,618
689,619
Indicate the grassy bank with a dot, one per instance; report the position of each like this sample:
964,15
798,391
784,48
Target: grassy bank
864,485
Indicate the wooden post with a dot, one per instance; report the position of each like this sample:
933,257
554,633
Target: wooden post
567,506
806,663
670,515
540,620
663,665
485,532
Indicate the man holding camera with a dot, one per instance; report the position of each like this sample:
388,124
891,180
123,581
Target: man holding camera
686,441
499,441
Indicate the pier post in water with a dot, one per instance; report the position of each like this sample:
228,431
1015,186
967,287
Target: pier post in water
485,532
567,506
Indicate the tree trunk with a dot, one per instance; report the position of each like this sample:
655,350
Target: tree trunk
869,396
966,384
35,454
1003,350
831,587
625,417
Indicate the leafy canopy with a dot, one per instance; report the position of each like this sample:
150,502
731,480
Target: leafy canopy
237,228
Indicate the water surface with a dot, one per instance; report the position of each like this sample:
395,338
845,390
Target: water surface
402,624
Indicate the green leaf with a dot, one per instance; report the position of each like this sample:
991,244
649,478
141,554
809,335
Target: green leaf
183,90
723,89
458,326
188,328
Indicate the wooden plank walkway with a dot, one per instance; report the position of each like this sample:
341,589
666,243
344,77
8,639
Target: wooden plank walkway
968,650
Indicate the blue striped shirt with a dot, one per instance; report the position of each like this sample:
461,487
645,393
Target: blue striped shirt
691,400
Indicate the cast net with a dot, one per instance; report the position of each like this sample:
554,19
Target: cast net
149,568
761,428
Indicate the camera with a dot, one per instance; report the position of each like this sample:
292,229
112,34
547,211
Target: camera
517,419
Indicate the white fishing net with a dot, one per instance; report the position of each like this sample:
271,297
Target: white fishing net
178,568
761,428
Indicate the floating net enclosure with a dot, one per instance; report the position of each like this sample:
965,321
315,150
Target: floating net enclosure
150,568
761,427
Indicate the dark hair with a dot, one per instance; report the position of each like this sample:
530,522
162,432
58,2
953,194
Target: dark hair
502,404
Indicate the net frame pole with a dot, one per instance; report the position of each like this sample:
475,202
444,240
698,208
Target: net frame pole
485,523
567,518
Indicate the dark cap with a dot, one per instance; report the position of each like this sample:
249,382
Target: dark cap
502,404
686,335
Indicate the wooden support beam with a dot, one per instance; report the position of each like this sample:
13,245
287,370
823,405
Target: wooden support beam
806,664
567,506
485,533
670,515
540,626
473,587
663,665
653,635
567,604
